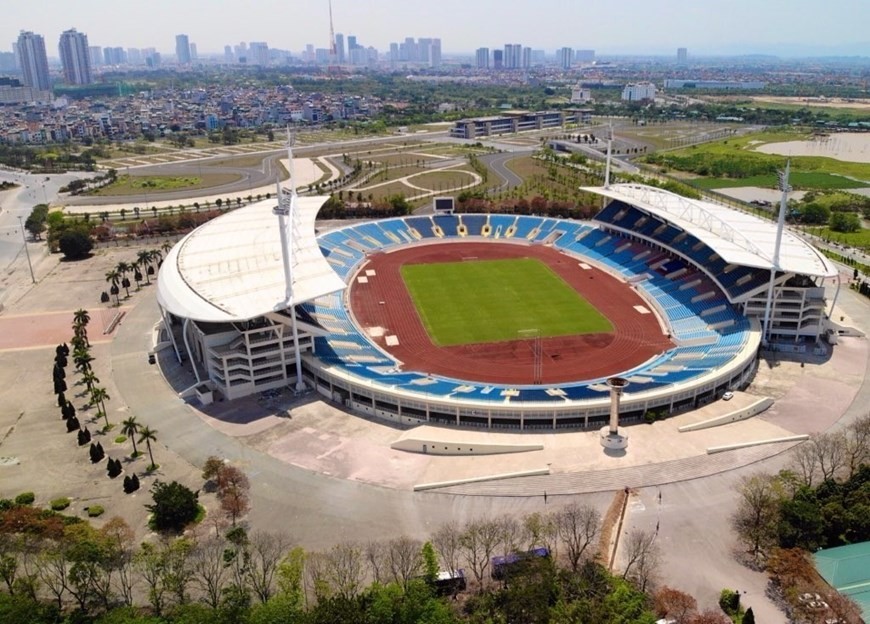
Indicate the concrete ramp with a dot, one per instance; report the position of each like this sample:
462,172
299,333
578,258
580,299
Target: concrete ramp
439,441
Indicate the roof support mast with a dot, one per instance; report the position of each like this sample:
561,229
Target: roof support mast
286,210
780,226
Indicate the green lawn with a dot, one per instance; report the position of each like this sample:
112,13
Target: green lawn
493,300
798,180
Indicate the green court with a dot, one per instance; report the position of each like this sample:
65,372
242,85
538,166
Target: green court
497,300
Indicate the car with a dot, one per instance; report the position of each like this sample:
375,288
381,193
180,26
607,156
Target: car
728,395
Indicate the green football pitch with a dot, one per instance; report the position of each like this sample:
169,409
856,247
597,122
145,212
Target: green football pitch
496,300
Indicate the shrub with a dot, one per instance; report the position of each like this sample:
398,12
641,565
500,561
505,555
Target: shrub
175,506
75,244
729,601
120,439
114,468
97,452
25,498
95,511
131,484
59,504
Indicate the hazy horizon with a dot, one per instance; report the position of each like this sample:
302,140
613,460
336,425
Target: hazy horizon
638,27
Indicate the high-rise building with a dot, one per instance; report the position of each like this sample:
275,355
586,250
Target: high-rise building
75,57
394,52
527,58
566,58
229,57
95,53
182,49
482,56
497,59
584,56
513,56
435,53
134,56
259,53
33,61
341,55
193,54
682,56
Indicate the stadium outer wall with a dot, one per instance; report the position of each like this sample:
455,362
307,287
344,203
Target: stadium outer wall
363,396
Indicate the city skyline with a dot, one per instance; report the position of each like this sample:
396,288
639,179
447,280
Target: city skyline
713,28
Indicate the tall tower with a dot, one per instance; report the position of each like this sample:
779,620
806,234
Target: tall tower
182,49
333,53
682,56
33,61
76,57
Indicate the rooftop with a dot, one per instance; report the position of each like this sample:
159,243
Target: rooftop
230,269
739,238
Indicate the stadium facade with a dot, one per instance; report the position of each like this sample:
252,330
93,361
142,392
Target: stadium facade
230,305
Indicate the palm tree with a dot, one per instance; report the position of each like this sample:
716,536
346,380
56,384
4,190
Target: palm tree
90,380
83,360
113,277
147,435
81,318
144,258
130,428
99,395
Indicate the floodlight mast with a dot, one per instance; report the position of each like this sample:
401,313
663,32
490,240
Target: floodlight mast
607,163
780,226
286,210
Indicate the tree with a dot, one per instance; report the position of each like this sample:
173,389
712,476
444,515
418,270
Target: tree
757,512
845,222
130,428
75,244
578,527
148,435
233,487
642,556
748,617
447,543
81,318
430,564
174,507
264,555
478,542
210,569
674,604
99,396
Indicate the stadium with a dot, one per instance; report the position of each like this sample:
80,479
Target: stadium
492,320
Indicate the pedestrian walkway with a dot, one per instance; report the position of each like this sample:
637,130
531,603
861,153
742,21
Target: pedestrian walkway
617,478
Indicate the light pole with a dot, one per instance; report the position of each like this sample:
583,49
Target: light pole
26,251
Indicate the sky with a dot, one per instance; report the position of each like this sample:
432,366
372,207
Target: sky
706,27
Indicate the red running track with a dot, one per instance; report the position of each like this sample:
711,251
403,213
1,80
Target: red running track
385,302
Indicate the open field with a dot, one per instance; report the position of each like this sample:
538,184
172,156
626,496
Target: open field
136,185
436,180
739,157
494,300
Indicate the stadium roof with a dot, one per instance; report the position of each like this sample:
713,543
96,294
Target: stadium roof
230,269
738,237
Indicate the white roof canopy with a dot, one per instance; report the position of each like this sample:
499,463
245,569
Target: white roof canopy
230,269
738,237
